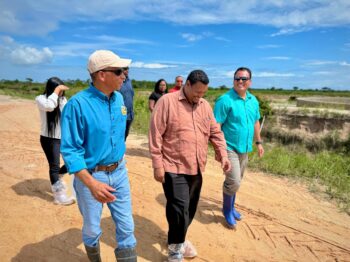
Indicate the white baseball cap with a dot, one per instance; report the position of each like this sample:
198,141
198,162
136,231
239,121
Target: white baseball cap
101,59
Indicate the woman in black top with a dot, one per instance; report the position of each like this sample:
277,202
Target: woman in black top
159,89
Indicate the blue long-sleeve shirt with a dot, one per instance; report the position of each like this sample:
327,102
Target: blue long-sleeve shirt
128,94
93,128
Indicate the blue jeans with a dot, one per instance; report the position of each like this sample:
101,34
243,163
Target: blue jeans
120,209
235,175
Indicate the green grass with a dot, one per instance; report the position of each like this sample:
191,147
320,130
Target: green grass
329,169
140,124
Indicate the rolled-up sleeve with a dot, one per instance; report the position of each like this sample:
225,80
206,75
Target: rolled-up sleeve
72,130
158,125
47,104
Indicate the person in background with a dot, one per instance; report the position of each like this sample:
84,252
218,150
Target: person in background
128,93
182,124
178,84
93,147
160,89
238,113
50,105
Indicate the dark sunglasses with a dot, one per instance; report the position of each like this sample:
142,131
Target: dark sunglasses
117,72
244,79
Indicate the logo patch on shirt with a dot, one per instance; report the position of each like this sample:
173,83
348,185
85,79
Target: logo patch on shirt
124,110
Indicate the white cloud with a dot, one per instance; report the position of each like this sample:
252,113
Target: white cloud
150,65
277,58
195,37
344,63
320,63
86,45
273,74
290,31
322,73
20,54
268,46
220,38
191,37
41,17
113,40
25,55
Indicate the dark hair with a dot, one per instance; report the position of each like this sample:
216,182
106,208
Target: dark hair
53,117
244,69
198,76
156,86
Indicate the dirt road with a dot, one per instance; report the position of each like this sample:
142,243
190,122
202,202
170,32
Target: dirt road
282,220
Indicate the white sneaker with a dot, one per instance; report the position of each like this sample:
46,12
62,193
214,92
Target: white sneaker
175,252
60,194
189,250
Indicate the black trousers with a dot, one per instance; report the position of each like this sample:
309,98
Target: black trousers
51,147
182,193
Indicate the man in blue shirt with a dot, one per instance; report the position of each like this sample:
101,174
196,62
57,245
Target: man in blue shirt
93,147
238,113
128,95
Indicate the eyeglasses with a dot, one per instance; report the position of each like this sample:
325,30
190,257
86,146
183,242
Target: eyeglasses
117,71
244,79
179,81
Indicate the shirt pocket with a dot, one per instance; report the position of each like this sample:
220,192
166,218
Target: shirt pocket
204,126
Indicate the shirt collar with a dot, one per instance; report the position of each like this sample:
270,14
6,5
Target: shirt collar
101,95
235,94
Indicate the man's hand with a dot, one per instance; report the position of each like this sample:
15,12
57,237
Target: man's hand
225,164
158,174
102,192
99,190
260,150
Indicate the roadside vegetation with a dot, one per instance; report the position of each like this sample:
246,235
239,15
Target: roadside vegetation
325,168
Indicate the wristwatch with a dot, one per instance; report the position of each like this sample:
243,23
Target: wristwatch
258,142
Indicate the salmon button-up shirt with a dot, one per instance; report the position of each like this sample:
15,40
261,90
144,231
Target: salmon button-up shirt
180,132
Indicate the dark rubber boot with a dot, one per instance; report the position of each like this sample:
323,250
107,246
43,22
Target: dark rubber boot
125,255
93,253
235,213
227,210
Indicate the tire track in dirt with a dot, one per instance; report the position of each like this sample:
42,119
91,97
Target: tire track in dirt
278,235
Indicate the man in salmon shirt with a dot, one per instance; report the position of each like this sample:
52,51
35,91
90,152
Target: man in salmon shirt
181,126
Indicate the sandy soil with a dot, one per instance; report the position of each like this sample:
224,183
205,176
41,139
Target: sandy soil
282,220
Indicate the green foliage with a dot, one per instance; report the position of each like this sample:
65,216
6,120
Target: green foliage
142,115
330,169
265,108
298,93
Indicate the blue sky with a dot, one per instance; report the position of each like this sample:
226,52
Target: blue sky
285,43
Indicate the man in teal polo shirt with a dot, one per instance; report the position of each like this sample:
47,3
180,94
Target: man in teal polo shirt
238,113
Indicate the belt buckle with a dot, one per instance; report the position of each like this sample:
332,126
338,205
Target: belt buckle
111,167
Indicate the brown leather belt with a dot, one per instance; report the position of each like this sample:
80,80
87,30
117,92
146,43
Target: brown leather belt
108,168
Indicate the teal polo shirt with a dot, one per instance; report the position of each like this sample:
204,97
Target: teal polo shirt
237,118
